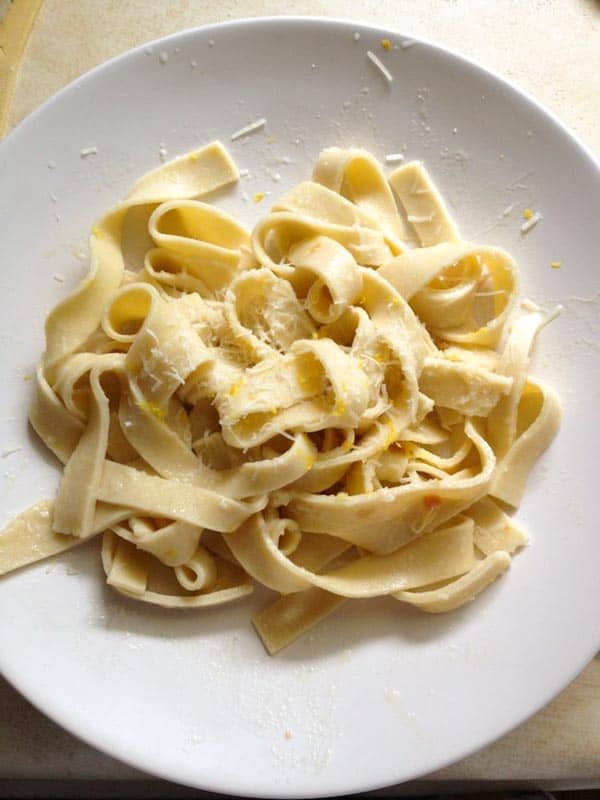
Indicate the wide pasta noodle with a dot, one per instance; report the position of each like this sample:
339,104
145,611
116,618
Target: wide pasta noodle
331,405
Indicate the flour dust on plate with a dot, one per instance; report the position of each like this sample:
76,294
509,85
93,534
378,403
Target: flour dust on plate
175,692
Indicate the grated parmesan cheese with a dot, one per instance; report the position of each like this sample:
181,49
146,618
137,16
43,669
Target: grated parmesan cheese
380,66
407,43
163,56
531,222
88,151
356,36
416,220
11,452
251,128
392,158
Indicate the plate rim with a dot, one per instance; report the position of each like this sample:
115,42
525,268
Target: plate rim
98,741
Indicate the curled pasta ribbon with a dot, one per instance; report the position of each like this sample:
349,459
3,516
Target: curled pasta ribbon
336,279
462,292
399,514
357,176
130,573
75,318
335,405
447,552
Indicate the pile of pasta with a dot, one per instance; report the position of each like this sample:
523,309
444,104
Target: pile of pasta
335,404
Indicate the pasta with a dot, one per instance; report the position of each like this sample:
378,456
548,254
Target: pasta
336,404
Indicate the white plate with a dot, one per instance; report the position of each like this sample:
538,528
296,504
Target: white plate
379,693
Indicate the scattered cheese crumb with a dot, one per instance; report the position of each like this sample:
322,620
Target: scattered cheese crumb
508,210
148,51
392,158
556,264
283,159
244,173
58,278
193,64
407,43
552,315
245,197
455,130
11,452
386,44
356,36
52,164
275,176
162,153
54,198
27,377
381,67
88,151
259,197
163,56
364,90
415,219
253,126
528,213
346,104
211,42
531,222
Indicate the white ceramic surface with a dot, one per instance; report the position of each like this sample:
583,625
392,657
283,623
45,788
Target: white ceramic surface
378,693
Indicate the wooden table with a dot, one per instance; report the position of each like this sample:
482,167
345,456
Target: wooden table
560,746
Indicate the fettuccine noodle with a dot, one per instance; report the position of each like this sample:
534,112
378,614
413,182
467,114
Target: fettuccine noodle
335,405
